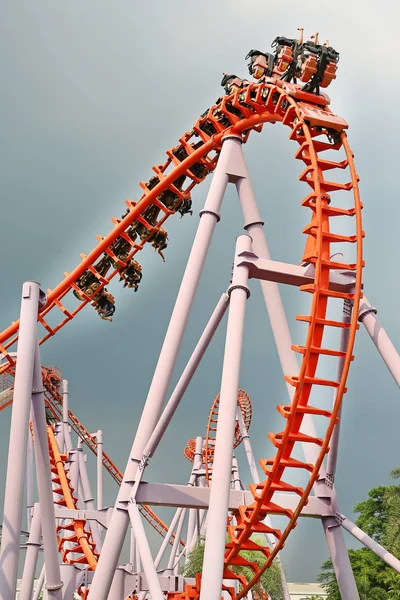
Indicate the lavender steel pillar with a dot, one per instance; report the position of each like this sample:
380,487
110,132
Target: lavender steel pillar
190,529
151,412
68,574
334,443
145,553
219,494
132,548
167,538
340,559
187,375
88,499
99,439
237,484
44,483
367,316
29,482
118,585
67,435
137,553
256,479
73,469
59,435
17,448
365,539
33,545
175,545
39,585
193,512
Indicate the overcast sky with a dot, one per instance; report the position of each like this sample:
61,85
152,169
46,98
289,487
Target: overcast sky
93,93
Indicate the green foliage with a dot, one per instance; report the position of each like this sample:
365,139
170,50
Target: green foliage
379,517
373,513
194,563
270,581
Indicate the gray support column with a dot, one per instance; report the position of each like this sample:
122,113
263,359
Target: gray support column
119,521
17,448
45,486
219,494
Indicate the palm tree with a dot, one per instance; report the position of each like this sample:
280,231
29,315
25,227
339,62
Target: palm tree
270,581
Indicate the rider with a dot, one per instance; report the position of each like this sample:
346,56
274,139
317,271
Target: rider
131,274
105,305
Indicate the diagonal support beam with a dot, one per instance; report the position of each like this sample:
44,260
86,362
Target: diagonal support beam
367,316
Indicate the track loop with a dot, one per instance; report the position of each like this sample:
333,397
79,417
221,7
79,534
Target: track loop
316,131
208,449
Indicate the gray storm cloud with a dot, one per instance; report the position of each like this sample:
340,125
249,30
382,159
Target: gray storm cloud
93,93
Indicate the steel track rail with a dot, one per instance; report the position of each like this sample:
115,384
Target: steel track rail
316,129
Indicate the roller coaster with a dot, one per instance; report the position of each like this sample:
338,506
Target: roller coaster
81,542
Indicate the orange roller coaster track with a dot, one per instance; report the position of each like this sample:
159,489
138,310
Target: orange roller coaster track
74,539
53,400
317,131
208,455
208,450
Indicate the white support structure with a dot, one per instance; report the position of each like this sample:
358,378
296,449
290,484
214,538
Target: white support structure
204,508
